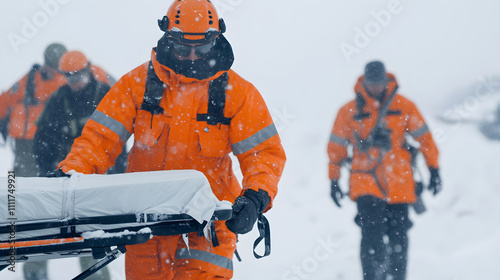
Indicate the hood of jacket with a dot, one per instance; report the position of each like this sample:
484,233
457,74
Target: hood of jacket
363,96
173,79
220,59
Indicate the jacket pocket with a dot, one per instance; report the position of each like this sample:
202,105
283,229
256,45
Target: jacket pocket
213,139
148,128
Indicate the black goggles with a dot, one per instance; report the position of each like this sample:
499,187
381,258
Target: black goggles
180,37
184,50
75,76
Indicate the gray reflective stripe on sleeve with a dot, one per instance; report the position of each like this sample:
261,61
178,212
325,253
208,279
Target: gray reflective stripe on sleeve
339,140
420,132
114,125
192,254
254,140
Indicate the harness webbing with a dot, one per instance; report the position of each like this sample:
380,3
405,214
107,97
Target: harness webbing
216,98
363,145
29,94
216,102
154,92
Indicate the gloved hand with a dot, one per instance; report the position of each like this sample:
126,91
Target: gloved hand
435,183
336,192
57,174
246,209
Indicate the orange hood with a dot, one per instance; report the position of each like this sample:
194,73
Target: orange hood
360,90
172,79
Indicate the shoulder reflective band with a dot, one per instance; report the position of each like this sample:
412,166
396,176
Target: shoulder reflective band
112,124
254,140
420,132
339,140
192,254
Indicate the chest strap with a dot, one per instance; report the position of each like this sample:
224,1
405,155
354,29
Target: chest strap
216,102
154,92
29,94
216,98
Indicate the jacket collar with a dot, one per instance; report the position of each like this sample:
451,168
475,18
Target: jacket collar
172,79
360,90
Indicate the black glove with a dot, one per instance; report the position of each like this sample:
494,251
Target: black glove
57,174
336,192
246,209
435,183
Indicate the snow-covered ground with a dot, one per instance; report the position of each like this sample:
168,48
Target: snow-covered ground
304,57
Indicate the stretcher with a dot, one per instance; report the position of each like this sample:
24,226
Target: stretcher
99,215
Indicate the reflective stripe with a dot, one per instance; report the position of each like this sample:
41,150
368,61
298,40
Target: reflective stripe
254,140
113,125
192,254
339,140
420,132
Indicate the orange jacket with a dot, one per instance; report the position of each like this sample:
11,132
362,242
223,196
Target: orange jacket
176,140
392,168
12,102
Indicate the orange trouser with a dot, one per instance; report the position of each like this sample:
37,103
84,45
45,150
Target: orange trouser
167,257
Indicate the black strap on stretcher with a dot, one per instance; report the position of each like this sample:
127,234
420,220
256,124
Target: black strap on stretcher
265,234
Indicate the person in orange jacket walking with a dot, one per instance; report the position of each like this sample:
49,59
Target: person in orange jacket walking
188,110
23,103
20,107
376,125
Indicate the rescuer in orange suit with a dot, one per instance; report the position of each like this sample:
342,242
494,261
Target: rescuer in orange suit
376,125
188,110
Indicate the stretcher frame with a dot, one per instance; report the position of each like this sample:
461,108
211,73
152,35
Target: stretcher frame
107,247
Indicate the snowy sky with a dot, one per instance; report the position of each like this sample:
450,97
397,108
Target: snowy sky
304,57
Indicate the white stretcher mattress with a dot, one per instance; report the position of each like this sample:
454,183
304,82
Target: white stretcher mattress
160,192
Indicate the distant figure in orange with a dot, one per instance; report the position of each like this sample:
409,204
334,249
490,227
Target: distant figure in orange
375,124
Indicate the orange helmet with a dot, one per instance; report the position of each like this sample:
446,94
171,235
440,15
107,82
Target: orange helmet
192,22
72,62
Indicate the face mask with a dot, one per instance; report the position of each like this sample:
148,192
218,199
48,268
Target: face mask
219,58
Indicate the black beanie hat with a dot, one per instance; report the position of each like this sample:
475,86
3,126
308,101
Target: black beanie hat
375,73
53,54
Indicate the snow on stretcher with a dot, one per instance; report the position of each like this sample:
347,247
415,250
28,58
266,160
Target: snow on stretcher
81,196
